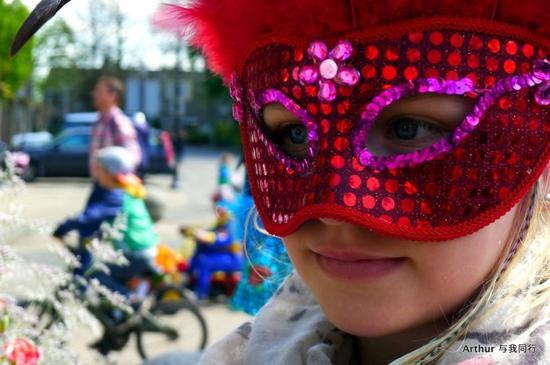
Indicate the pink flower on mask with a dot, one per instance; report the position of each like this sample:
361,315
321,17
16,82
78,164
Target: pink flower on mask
329,69
21,351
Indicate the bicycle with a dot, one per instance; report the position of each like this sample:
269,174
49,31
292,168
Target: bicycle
165,317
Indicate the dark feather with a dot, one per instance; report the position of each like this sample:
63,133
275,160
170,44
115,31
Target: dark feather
43,12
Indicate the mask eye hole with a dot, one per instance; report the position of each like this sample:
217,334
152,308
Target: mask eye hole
415,123
285,129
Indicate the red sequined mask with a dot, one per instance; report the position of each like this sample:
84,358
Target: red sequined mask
338,87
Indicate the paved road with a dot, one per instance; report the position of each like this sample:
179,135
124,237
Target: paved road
53,199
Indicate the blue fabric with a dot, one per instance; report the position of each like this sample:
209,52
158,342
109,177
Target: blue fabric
204,265
102,205
267,263
143,132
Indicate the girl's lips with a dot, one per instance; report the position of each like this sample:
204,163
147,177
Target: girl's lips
348,265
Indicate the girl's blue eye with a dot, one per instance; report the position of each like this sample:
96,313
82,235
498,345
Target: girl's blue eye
405,128
404,134
297,133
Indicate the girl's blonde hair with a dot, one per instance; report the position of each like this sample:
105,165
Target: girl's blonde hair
528,245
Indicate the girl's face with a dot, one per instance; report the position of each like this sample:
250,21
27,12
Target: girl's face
371,285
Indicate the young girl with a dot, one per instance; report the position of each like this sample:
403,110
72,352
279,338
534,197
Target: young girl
400,149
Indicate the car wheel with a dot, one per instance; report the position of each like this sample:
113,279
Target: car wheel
30,173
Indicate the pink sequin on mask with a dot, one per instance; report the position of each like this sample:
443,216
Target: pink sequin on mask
328,69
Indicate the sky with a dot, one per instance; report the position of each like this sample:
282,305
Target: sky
141,39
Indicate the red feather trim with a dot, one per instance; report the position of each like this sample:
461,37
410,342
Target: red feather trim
225,30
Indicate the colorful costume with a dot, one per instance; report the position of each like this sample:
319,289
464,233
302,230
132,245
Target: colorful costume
215,252
266,262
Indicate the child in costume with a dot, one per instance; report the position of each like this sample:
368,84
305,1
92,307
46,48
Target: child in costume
122,194
400,149
216,250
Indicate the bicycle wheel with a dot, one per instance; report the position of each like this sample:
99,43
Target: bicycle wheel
44,312
172,324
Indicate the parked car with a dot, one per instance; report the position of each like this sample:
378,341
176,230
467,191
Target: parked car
30,139
67,155
73,120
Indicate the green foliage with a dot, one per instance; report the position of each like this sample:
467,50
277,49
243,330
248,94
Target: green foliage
227,134
13,71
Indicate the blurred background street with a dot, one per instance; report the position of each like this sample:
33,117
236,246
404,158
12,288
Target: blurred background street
53,199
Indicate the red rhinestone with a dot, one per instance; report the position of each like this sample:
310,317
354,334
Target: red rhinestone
503,193
285,57
407,205
386,218
473,61
354,182
525,67
472,76
350,199
436,38
357,165
511,47
521,105
369,201
295,73
389,72
413,54
541,53
404,222
285,75
434,56
497,157
431,188
388,203
343,107
366,88
513,158
416,37
391,185
298,55
492,64
325,126
476,42
393,172
454,58
456,40
326,108
518,121
312,109
345,91
392,55
510,66
337,162
410,73
373,184
311,91
343,126
422,223
494,45
473,174
504,103
431,72
371,52
456,172
528,50
323,144
297,92
452,75
425,208
368,71
489,81
341,143
331,197
410,188
459,153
